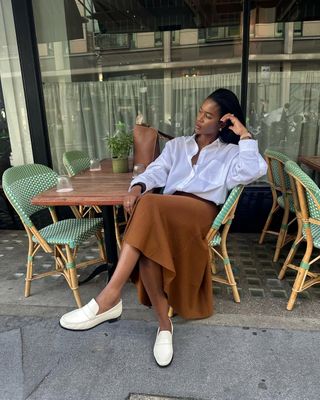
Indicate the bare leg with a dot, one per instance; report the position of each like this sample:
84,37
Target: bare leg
151,276
111,294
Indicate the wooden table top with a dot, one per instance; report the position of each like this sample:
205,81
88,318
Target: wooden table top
89,188
312,162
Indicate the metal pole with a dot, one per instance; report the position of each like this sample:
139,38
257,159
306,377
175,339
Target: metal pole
245,54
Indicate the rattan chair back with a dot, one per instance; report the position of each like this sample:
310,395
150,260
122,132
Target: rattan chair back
23,182
75,161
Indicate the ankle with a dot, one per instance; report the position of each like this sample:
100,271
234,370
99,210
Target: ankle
105,303
165,324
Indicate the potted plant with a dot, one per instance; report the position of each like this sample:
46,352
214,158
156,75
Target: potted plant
120,146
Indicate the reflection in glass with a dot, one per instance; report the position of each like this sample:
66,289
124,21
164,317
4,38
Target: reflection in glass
284,96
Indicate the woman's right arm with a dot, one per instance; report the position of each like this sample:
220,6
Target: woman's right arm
157,172
154,176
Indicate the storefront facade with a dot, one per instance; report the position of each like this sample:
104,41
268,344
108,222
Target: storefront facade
70,70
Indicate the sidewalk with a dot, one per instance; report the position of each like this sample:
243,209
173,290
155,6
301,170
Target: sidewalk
252,350
41,361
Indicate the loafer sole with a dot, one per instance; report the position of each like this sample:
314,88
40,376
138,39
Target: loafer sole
164,366
88,329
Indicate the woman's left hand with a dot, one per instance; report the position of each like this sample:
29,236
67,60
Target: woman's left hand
237,127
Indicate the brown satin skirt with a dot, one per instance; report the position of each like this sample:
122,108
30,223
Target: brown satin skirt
171,230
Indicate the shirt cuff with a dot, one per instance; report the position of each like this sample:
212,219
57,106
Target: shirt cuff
141,184
248,145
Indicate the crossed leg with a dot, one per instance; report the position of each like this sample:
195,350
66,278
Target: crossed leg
151,276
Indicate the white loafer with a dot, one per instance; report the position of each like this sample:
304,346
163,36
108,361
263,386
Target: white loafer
86,317
163,349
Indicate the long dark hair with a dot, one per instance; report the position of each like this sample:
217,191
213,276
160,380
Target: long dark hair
228,103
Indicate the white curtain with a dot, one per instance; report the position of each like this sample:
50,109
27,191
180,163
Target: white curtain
12,87
189,93
283,112
81,115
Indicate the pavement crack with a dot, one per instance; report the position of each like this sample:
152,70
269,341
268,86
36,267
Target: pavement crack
39,383
22,354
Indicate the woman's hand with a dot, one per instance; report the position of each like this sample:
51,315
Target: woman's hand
237,127
130,200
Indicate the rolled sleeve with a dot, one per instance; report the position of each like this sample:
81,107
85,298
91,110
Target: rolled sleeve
156,173
247,166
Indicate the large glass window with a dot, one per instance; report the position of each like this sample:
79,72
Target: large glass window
105,61
284,82
14,129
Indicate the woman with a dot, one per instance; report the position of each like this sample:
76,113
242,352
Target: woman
166,233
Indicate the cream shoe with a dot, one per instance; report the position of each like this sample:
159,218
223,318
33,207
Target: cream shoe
163,349
86,317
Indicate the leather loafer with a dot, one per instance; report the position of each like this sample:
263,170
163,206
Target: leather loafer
163,349
86,317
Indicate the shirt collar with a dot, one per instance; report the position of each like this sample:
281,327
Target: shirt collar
216,143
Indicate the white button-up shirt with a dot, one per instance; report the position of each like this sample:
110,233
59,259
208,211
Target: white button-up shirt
219,168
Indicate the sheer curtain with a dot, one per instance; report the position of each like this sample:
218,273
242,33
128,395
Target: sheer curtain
12,87
290,126
81,114
189,93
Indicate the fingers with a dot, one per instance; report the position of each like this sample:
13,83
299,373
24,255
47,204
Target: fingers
129,203
236,126
229,117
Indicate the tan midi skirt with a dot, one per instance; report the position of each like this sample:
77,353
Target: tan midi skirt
171,230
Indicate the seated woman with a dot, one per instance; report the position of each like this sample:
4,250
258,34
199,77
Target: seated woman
164,249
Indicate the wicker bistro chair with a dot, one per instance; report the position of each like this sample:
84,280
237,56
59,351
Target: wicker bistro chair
279,183
217,239
20,185
76,161
306,196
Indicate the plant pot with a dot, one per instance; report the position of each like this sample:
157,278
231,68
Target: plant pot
120,165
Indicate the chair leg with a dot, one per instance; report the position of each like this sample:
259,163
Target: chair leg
102,250
212,260
274,208
298,283
282,234
170,312
73,278
232,281
116,227
291,254
29,272
27,287
227,265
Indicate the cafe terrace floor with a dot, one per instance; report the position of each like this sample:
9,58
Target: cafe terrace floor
263,296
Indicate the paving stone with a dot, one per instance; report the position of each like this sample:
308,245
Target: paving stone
274,283
256,282
256,292
278,293
250,271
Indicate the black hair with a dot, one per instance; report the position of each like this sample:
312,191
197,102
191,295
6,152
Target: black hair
228,103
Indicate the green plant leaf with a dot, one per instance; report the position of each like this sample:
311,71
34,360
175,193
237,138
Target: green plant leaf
121,143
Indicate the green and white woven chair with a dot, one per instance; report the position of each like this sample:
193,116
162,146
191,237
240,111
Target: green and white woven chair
76,161
217,239
281,198
306,196
61,238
